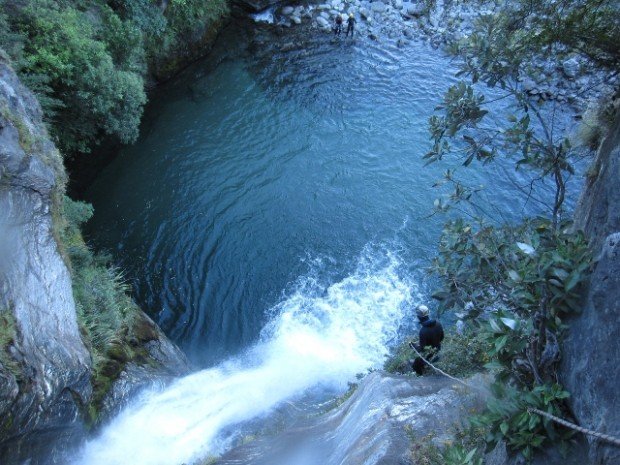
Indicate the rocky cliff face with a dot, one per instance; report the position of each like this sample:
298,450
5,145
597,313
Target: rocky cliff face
45,370
592,350
45,367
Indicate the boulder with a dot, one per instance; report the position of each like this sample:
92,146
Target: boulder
323,23
378,7
571,68
414,10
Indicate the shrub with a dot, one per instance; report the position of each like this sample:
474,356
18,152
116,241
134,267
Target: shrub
91,96
518,284
467,448
8,334
112,326
508,417
86,59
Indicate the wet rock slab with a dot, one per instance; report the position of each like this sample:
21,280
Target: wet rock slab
373,426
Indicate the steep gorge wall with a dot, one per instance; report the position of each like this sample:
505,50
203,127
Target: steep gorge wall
46,369
591,352
46,366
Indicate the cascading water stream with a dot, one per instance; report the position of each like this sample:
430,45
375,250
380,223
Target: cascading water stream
316,338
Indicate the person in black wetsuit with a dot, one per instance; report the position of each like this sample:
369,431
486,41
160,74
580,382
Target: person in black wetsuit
338,26
431,335
350,25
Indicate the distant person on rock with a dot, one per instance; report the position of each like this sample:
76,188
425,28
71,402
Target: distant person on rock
431,335
338,26
350,25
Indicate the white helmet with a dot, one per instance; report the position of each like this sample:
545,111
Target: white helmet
422,311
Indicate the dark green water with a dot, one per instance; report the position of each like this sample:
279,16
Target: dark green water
257,172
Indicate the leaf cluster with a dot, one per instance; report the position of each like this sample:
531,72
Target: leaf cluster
509,419
512,268
515,285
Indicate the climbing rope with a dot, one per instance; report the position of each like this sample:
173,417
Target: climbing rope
439,370
568,424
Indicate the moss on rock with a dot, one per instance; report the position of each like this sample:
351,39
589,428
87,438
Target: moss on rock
113,327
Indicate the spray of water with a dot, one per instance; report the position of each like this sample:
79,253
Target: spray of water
316,337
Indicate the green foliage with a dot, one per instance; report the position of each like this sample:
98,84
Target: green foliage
458,455
509,419
516,285
398,362
87,59
467,448
518,282
502,49
100,294
461,355
112,326
184,18
88,94
8,335
525,30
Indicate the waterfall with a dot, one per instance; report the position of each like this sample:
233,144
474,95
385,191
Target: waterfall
316,337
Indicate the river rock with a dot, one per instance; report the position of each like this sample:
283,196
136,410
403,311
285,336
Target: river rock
414,10
571,68
322,22
398,4
296,19
378,7
288,10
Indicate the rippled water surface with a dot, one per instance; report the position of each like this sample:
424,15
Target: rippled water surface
258,168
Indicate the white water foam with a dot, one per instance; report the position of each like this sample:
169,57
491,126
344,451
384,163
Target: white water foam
315,338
